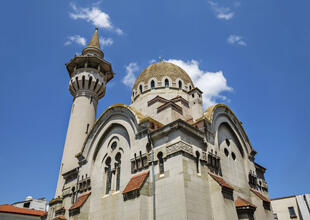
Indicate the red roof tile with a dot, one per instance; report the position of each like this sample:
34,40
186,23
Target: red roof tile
60,217
136,182
220,181
260,195
22,211
80,201
243,203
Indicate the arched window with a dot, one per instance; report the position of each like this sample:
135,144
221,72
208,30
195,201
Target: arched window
113,145
108,175
161,163
197,162
152,84
73,195
233,156
227,142
180,84
190,87
83,82
226,152
118,170
140,88
166,83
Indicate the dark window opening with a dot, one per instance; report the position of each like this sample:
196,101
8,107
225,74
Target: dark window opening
180,84
190,87
113,145
89,82
77,82
166,83
83,82
118,170
197,162
193,95
26,205
292,212
227,142
96,83
140,88
152,84
233,156
161,163
87,127
226,152
108,174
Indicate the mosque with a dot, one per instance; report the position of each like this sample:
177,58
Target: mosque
161,157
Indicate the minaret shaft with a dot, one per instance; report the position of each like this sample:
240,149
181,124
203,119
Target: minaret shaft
89,74
82,118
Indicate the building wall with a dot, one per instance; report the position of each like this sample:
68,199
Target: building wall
301,204
37,204
181,192
10,216
280,207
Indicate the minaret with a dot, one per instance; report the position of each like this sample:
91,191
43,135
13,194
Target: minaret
89,74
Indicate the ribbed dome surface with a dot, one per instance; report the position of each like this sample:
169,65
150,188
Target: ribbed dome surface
159,71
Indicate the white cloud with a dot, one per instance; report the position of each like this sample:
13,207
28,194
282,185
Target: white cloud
224,13
235,39
106,41
95,16
76,39
213,84
131,70
119,31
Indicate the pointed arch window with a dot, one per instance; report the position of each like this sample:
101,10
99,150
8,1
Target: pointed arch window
166,83
152,84
197,162
161,163
180,84
118,170
108,175
140,88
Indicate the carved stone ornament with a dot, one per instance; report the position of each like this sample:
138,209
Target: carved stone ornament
180,146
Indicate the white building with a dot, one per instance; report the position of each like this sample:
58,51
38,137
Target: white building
31,203
161,157
29,209
292,207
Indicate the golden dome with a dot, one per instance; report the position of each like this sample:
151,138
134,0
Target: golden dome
161,70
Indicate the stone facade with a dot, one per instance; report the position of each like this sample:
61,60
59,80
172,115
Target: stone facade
202,161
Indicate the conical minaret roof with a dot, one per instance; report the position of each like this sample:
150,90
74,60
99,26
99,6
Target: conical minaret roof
94,42
93,46
91,57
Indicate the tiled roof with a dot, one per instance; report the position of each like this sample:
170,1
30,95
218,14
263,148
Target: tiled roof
22,211
243,203
136,182
260,195
60,217
220,181
80,201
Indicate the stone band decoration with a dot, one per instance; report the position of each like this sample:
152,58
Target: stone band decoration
179,146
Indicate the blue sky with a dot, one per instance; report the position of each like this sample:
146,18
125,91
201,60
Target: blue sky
250,54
